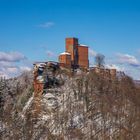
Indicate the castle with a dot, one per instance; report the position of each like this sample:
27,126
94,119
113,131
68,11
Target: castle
75,56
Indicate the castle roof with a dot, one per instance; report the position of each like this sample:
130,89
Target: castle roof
82,45
65,53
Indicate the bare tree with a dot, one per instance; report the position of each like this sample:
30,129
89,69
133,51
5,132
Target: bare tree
99,60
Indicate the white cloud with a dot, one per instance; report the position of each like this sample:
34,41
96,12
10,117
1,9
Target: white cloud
24,68
46,25
12,70
8,72
114,66
127,63
5,64
128,59
9,66
50,54
3,75
92,53
11,57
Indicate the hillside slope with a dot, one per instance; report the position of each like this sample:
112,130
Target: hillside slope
85,107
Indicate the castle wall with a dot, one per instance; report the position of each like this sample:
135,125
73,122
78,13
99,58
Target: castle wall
83,56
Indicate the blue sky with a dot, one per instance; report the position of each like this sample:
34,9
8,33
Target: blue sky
35,30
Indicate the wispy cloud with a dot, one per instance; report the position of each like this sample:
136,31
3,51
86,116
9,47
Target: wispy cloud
12,70
92,53
130,64
128,59
46,25
3,75
13,64
114,66
50,54
24,68
11,56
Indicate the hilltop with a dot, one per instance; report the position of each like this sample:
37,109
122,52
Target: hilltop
86,106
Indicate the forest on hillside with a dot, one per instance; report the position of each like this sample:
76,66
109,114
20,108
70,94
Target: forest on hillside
85,107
